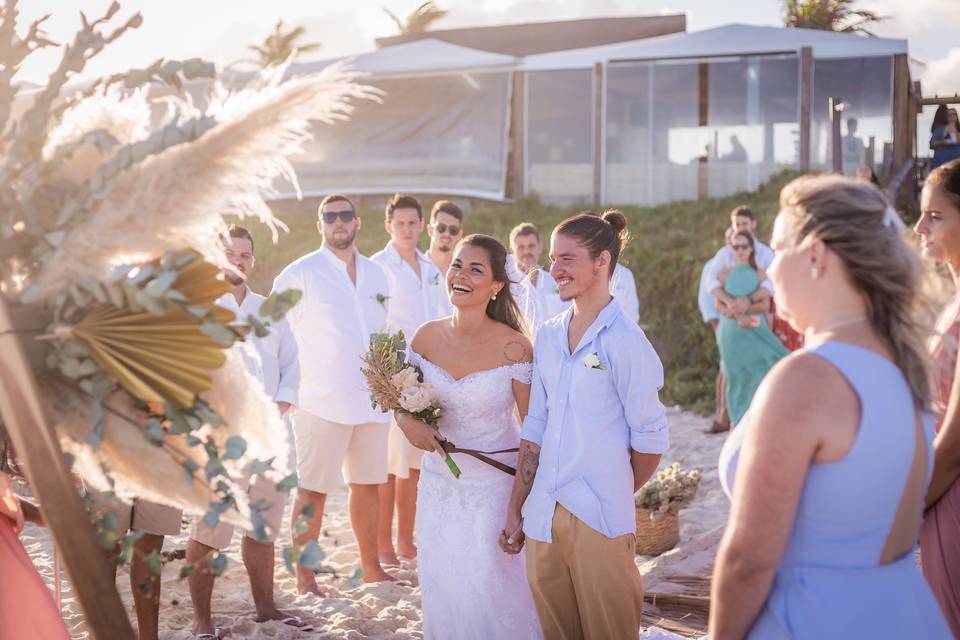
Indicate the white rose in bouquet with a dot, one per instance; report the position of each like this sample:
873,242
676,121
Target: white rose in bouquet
417,398
405,379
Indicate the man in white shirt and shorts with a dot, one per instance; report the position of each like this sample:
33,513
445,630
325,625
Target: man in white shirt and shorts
272,359
345,300
418,293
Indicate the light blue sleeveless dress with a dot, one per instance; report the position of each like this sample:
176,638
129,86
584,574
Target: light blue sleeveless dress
829,583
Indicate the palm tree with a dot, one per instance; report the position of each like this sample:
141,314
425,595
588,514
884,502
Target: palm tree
828,15
420,19
277,47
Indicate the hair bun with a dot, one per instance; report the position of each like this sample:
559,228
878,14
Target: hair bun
615,219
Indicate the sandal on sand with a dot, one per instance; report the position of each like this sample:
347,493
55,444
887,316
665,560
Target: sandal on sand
216,635
297,623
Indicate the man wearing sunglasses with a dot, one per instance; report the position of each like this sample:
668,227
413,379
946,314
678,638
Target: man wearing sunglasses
345,300
445,231
418,294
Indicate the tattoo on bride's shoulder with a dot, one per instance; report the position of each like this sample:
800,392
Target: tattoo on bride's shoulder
515,351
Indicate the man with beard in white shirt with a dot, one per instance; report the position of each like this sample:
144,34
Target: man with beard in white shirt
272,359
540,300
445,231
345,300
417,295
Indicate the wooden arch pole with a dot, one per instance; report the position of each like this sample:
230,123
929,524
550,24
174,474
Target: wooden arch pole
37,447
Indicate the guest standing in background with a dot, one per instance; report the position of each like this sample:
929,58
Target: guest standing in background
445,231
828,469
540,300
338,435
748,349
741,219
944,136
939,231
271,359
418,294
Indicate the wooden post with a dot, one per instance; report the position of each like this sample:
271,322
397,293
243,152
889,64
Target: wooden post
703,120
518,136
806,99
51,481
869,154
836,135
902,138
598,141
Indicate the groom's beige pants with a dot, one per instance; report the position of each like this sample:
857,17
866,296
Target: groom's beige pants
584,584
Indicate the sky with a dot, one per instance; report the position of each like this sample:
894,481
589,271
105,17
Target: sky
220,30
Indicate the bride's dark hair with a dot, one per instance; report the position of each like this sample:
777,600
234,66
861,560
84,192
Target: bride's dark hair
504,309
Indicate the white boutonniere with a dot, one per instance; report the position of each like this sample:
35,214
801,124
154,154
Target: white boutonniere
592,361
382,299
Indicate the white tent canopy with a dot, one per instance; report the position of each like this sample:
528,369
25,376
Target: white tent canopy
419,57
734,39
440,127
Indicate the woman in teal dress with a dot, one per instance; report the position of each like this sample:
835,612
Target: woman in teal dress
748,348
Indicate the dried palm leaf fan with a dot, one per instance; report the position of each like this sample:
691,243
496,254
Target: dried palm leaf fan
165,356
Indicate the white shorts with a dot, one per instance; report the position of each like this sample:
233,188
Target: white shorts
325,448
402,456
149,517
261,488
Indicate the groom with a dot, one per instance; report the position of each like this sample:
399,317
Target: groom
593,435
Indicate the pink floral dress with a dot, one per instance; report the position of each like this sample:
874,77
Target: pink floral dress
27,609
940,533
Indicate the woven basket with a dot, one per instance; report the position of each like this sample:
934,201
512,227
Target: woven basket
656,536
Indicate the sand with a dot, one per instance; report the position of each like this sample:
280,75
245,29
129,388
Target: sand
353,610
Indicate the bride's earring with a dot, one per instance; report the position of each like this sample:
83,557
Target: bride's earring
814,272
494,297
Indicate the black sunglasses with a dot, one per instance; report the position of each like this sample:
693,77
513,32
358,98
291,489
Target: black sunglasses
345,216
740,246
442,227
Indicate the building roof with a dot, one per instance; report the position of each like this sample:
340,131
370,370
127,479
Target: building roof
733,39
421,56
541,37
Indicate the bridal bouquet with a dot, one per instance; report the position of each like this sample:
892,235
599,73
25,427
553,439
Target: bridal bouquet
397,385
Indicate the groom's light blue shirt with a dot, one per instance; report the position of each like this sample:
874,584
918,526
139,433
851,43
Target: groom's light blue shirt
588,409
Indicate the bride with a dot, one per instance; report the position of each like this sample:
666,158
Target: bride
479,361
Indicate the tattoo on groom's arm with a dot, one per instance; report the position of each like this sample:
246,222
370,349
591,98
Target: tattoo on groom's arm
529,462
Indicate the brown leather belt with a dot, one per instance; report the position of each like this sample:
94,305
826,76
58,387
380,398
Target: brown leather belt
483,456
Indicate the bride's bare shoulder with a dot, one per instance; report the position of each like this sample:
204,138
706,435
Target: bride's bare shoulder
516,347
427,336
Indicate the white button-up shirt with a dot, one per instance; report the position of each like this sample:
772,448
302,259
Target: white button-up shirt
705,299
271,359
413,299
725,259
540,301
624,289
588,410
332,324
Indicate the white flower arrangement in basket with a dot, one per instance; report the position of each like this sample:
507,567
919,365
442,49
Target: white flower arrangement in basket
669,491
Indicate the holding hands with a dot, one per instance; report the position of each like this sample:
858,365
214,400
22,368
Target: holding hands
511,536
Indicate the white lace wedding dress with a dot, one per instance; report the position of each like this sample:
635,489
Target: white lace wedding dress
470,588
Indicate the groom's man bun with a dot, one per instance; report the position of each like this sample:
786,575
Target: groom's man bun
597,232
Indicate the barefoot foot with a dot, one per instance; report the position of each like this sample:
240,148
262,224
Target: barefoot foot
388,558
378,575
407,550
307,583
